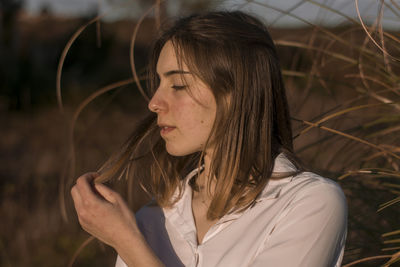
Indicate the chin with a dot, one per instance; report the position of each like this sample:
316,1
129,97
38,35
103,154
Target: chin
179,152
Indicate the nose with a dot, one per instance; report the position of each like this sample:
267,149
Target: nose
157,103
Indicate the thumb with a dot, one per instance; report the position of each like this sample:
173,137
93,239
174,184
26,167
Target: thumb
106,193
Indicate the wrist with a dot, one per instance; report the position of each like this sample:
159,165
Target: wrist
128,239
135,251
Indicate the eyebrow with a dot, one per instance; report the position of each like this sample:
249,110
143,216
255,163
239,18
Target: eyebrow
172,72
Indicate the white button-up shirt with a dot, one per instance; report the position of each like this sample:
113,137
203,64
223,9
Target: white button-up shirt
296,221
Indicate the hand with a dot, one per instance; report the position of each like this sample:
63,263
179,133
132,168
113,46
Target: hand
102,212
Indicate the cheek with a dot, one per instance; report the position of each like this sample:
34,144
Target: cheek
198,122
194,118
204,122
187,110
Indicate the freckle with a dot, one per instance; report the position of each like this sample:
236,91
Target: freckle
201,121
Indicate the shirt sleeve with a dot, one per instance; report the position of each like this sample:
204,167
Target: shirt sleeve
311,231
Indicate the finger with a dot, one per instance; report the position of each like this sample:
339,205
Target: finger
106,193
90,176
76,197
84,187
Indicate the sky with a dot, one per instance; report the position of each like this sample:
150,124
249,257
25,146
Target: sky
312,11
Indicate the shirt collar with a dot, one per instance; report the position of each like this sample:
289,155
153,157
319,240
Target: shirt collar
282,173
184,202
180,214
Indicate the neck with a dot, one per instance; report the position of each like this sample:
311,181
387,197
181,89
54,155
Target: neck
205,177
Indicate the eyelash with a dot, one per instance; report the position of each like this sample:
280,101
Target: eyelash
178,87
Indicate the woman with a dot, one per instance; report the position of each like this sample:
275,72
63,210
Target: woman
220,165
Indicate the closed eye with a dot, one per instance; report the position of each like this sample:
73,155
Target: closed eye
179,87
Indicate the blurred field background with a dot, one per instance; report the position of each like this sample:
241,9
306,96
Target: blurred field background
343,83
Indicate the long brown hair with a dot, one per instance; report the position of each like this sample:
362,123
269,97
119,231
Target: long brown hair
233,54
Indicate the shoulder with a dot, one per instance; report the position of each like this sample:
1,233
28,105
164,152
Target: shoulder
310,206
317,192
309,182
309,223
302,186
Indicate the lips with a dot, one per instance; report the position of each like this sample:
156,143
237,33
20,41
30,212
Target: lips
166,129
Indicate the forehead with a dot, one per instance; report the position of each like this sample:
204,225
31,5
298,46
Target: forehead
168,61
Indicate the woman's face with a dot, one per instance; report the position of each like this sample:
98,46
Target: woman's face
185,106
